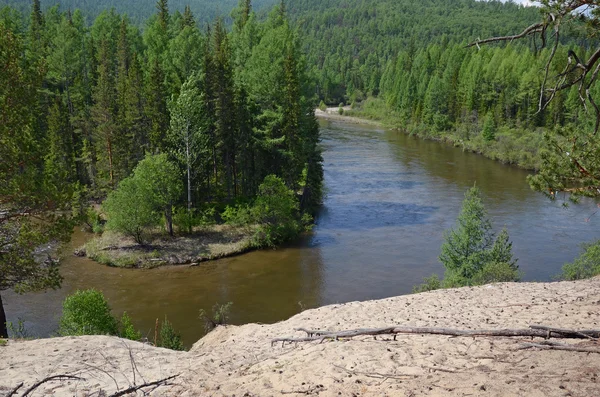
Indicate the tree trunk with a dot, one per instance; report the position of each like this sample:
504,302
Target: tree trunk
3,330
169,219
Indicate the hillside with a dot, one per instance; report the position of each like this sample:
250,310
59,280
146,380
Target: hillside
241,360
140,10
349,42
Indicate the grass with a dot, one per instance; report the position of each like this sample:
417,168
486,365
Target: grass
207,243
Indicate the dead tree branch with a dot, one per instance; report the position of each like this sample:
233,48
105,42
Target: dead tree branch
535,28
14,390
49,379
133,389
534,331
555,346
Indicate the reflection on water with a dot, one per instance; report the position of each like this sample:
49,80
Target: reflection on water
389,199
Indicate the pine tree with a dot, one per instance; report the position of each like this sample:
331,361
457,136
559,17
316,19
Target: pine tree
471,251
103,114
223,105
156,107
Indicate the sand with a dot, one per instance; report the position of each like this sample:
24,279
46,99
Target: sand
240,361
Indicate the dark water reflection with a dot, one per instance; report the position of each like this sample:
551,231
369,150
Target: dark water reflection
389,199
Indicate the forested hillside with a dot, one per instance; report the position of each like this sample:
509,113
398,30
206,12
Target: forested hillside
349,42
139,11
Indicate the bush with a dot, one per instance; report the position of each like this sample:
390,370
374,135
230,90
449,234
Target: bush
586,265
127,330
169,338
322,106
429,284
276,211
129,210
220,316
142,199
87,313
496,272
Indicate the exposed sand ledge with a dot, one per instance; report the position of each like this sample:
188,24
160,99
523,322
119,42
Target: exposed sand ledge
240,361
333,114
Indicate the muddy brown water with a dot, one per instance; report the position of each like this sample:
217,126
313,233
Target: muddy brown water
389,199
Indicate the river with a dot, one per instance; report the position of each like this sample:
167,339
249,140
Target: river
389,197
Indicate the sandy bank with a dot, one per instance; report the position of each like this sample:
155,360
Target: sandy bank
240,361
213,242
333,114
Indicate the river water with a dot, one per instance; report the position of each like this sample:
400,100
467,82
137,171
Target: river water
389,199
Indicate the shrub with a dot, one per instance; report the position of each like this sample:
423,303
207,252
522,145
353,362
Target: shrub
276,211
169,338
87,313
586,265
322,106
127,330
220,316
139,201
496,272
429,284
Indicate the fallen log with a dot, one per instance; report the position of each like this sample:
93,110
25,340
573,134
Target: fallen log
538,331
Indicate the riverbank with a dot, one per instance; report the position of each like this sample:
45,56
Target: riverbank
511,145
333,114
242,361
212,242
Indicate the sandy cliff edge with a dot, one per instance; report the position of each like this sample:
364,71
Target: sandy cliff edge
240,360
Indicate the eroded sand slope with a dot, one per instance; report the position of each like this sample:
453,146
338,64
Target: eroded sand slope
240,361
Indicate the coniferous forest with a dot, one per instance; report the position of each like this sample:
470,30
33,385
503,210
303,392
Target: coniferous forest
163,114
228,107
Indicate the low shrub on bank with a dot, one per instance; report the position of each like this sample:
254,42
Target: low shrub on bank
87,312
275,212
586,265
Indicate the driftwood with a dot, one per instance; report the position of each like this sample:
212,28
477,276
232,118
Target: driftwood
533,331
547,345
134,389
49,379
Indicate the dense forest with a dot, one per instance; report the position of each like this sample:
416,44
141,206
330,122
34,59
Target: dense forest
235,107
350,42
138,11
165,121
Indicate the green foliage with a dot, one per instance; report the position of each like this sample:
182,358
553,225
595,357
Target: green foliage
496,272
322,106
130,211
489,128
127,330
275,210
86,312
186,220
139,201
169,338
586,265
471,253
429,284
18,331
220,316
